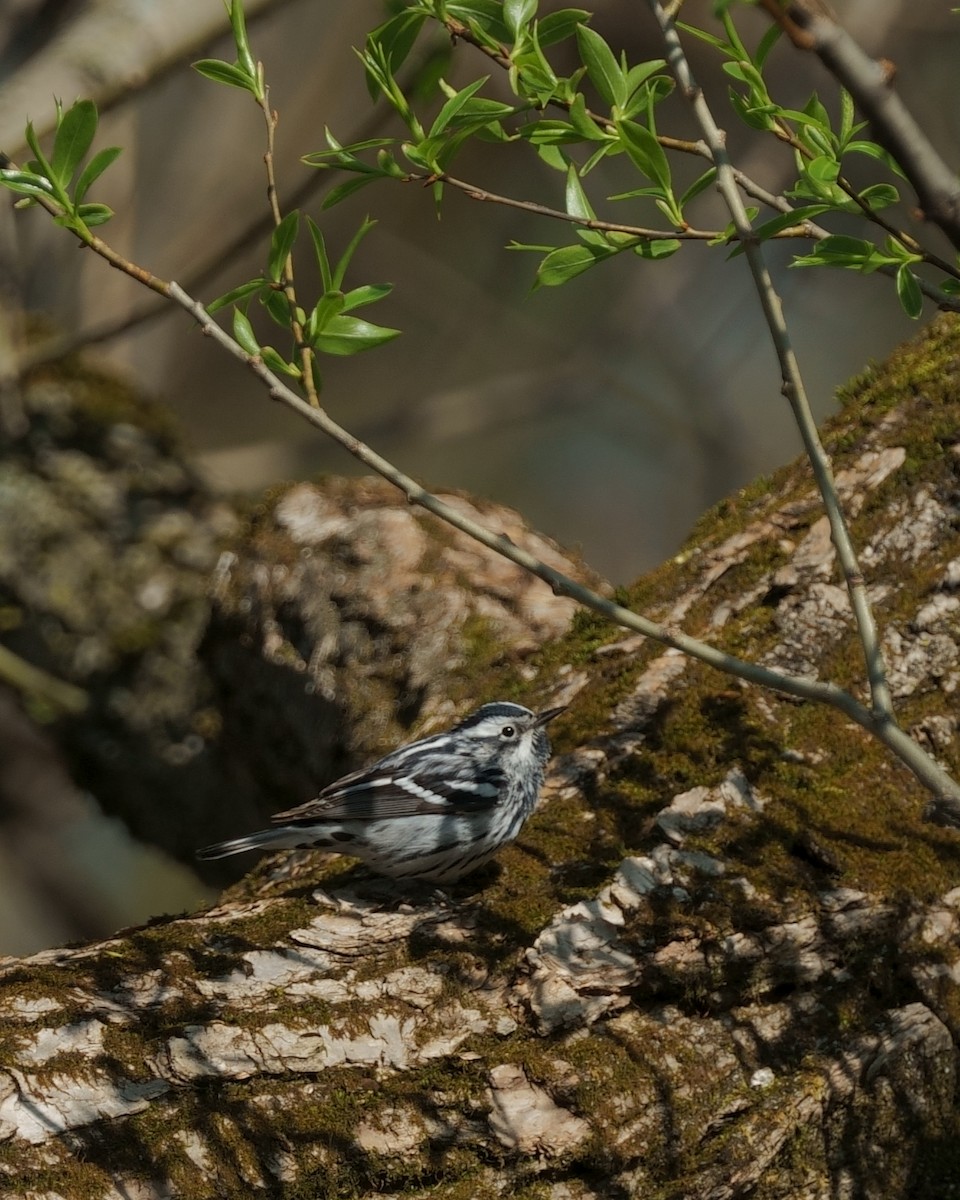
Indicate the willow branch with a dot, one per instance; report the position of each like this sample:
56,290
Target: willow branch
793,386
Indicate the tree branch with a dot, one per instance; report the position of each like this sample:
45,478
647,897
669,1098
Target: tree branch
811,27
793,386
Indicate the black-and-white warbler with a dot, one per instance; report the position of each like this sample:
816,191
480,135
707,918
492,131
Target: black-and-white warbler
434,809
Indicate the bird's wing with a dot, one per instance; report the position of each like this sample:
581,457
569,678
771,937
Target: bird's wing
435,784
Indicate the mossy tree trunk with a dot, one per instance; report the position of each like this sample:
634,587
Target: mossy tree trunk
723,958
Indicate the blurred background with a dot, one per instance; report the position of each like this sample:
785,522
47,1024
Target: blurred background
610,412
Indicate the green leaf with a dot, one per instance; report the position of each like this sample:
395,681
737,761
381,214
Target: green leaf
26,183
237,293
485,15
455,103
767,43
635,192
610,147
558,26
645,152
278,364
421,160
602,67
94,214
839,250
568,262
816,110
277,306
93,170
480,111
577,204
733,38
397,36
281,243
657,248
583,123
846,116
243,332
553,157
749,114
224,72
351,335
872,150
880,195
786,220
709,38
329,305
347,188
550,132
344,261
369,293
698,186
239,27
638,75
353,148
518,14
74,137
320,251
908,292
34,143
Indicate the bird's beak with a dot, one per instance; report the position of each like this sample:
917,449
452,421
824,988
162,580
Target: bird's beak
548,714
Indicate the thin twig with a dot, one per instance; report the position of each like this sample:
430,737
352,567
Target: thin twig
800,230
803,229
793,386
303,351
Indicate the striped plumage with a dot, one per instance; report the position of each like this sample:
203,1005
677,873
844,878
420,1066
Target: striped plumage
435,809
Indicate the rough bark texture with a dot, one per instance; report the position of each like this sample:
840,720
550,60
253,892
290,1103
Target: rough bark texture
723,959
235,662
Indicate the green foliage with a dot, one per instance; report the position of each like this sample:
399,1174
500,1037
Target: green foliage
327,329
55,180
244,73
553,114
605,109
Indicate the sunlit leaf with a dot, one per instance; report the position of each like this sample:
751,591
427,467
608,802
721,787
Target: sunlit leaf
237,293
93,170
569,261
74,138
224,72
602,67
243,332
351,335
908,292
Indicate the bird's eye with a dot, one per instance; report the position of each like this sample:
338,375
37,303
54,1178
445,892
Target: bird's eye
508,731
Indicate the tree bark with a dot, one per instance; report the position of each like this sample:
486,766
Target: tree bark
721,960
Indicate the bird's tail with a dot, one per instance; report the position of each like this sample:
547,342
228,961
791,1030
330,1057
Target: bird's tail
284,837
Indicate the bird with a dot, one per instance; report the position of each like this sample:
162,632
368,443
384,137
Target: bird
434,810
